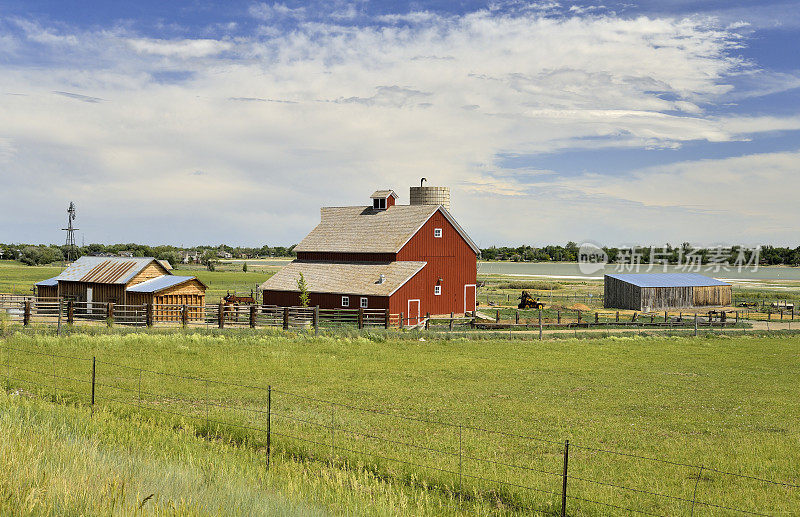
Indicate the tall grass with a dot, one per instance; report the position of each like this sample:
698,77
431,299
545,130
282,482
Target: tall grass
722,402
60,460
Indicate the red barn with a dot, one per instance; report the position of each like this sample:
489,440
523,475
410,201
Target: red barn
413,259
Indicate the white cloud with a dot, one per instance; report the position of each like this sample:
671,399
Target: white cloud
187,48
266,12
368,106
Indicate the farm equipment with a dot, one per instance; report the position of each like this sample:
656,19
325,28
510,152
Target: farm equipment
526,301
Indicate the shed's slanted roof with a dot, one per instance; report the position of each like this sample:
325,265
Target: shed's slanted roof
344,277
105,270
359,229
382,194
160,283
668,280
50,282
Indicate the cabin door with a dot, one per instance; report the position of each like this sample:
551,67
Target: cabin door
413,312
470,297
89,300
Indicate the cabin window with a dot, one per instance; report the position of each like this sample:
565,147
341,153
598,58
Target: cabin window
364,303
437,290
437,233
345,301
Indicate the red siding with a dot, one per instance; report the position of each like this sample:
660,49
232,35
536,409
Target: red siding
345,257
324,300
449,258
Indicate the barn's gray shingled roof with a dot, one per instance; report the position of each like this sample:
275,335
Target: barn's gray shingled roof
344,277
359,229
50,282
668,279
105,270
382,194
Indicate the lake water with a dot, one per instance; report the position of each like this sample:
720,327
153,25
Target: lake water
571,270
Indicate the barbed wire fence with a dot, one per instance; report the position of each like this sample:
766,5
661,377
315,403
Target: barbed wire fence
465,462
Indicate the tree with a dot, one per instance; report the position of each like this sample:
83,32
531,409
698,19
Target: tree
302,286
244,267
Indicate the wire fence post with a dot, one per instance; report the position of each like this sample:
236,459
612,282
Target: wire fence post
139,391
93,377
540,323
333,436
460,469
208,421
697,482
269,422
55,388
564,480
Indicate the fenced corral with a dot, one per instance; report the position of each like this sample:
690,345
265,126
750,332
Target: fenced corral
511,471
28,310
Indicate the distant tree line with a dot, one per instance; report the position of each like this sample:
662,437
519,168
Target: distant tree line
767,255
33,255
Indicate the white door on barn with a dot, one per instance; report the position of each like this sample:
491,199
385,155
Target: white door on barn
89,300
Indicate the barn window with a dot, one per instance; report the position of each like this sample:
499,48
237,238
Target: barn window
437,290
364,303
379,204
437,232
345,301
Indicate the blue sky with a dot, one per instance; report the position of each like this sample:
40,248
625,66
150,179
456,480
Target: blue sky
206,122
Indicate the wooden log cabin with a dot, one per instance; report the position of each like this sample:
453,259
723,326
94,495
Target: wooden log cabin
124,281
659,291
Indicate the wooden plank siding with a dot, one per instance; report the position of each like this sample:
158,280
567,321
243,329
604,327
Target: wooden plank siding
46,291
151,271
448,258
619,294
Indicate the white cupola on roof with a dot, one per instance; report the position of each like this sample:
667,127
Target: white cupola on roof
383,199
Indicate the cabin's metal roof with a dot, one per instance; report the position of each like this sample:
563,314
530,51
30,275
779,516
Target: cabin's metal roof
159,284
105,270
50,282
668,279
344,277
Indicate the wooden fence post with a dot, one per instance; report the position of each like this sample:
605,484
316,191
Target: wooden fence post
516,316
427,320
221,315
402,315
316,319
70,312
559,316
149,314
360,318
633,319
666,317
579,316
497,316
184,316
596,317
617,317
286,318
695,324
452,315
26,315
540,323
385,318
252,316
110,313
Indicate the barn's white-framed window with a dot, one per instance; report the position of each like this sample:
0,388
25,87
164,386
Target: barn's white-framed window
437,290
437,232
345,301
364,302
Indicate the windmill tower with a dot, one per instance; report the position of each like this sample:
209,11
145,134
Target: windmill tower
71,252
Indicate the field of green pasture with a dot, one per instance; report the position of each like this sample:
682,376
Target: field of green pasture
727,404
60,460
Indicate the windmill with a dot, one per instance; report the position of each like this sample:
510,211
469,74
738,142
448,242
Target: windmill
71,252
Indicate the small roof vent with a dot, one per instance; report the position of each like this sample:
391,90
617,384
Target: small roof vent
383,199
382,278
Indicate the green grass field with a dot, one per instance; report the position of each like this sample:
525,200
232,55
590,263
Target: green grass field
61,460
726,403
